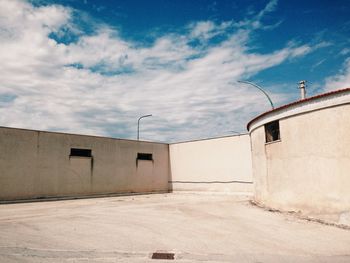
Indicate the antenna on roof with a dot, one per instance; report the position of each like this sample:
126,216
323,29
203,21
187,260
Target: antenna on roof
302,87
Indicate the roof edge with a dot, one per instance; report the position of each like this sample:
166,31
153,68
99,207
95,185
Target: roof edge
296,103
79,134
210,138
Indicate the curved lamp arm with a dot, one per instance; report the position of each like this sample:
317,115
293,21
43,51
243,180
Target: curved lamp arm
258,87
138,124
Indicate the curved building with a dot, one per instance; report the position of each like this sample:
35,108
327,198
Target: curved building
301,155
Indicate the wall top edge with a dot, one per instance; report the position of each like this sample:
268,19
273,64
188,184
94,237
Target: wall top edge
211,138
80,135
317,102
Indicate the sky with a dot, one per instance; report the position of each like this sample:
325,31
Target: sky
95,67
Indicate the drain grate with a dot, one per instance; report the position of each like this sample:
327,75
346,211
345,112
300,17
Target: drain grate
163,255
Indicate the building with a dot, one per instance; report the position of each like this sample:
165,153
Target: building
295,158
301,156
39,164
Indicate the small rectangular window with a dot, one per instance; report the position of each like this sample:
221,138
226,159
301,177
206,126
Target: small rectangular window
145,156
272,131
80,152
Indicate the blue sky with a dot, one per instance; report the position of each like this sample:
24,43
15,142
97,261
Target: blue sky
94,67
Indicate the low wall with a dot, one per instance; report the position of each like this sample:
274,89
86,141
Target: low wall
220,165
36,164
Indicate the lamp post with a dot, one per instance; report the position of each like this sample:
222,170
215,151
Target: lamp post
260,88
138,124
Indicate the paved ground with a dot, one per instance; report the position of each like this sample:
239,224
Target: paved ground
207,228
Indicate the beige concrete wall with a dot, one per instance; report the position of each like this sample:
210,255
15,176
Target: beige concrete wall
309,168
221,164
35,164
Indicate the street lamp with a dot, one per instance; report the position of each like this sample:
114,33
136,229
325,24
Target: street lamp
258,87
138,124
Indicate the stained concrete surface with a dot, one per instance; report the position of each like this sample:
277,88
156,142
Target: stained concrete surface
196,227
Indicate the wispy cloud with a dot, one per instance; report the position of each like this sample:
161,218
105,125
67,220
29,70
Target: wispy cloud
317,64
255,20
101,83
340,80
271,6
345,51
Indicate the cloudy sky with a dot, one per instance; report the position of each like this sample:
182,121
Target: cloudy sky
94,67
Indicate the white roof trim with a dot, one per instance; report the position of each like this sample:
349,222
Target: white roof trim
331,100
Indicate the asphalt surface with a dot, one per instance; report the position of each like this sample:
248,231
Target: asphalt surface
193,227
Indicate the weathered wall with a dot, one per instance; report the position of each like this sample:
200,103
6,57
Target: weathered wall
221,164
35,164
309,168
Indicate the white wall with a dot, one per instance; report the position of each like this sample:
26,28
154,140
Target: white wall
36,164
308,170
220,164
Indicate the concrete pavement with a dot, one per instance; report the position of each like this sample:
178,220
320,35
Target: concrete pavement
195,227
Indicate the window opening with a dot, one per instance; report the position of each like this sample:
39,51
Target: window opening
145,156
272,131
80,152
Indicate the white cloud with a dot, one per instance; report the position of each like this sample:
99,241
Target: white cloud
101,83
341,80
205,30
256,21
345,51
271,6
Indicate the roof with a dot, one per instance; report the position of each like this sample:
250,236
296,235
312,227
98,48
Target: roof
296,103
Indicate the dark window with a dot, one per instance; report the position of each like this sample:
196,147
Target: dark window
144,156
272,131
163,255
80,152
